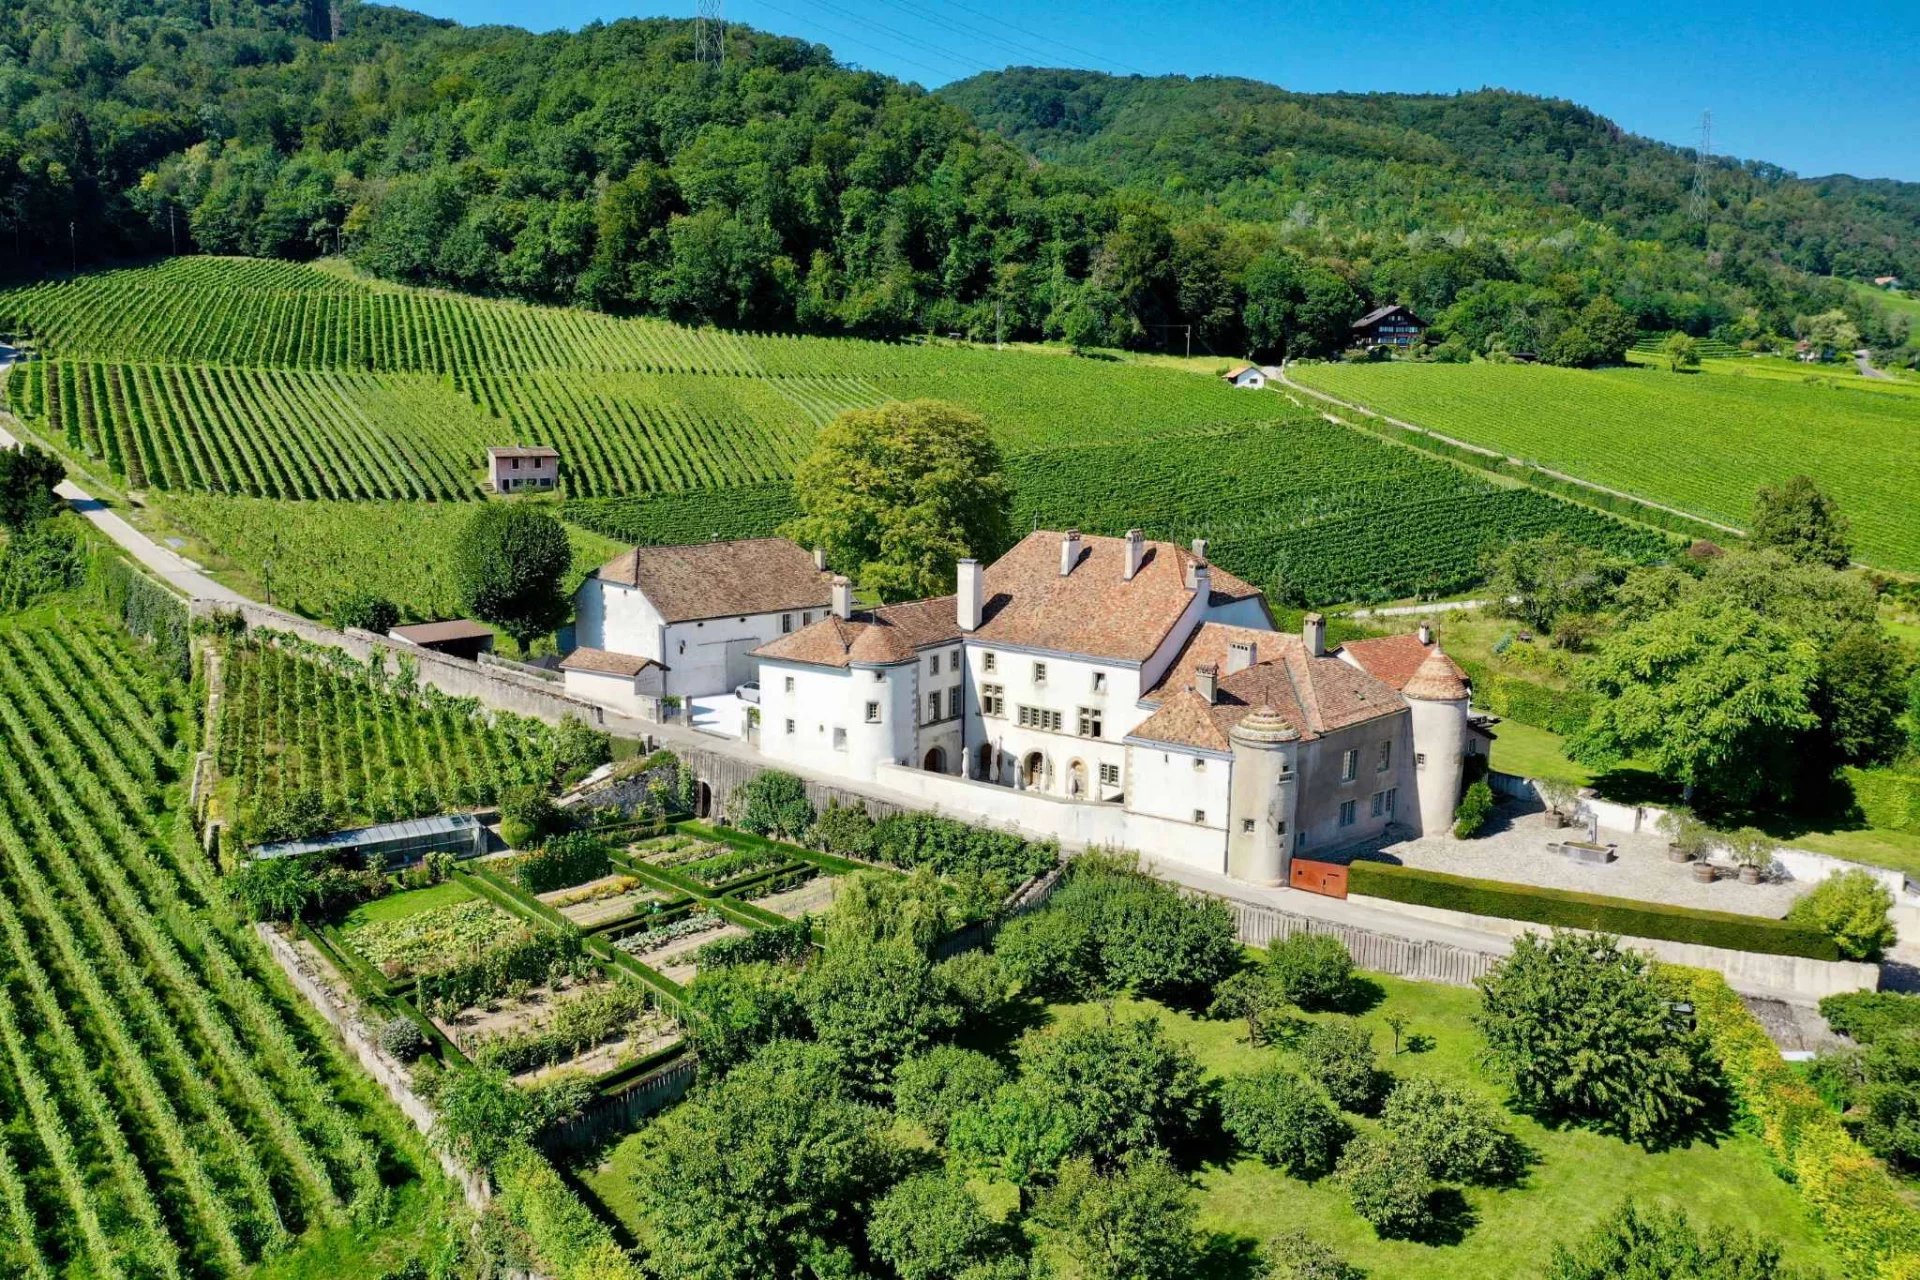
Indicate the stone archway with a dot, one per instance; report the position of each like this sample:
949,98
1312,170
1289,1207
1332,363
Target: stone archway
1033,771
936,760
984,762
703,801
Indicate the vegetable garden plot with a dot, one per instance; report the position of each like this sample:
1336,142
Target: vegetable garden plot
171,1113
795,896
592,1026
602,901
428,941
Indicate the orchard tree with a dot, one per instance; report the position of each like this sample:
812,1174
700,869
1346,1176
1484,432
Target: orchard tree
1123,1087
28,475
900,494
1800,520
875,1005
1582,1030
930,1227
1680,351
1636,1241
732,1011
1538,579
510,567
1133,1223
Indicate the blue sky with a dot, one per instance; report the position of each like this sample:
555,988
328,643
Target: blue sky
1814,89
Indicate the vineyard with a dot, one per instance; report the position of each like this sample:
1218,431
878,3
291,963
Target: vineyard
321,553
166,1111
323,724
1653,434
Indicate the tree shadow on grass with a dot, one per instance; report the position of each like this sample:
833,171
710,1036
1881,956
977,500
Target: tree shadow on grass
1363,995
1229,1257
1453,1217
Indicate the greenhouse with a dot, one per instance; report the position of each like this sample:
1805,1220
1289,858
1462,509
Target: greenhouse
391,844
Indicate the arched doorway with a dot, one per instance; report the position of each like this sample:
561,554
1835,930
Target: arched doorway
1033,771
936,761
703,801
1077,780
985,762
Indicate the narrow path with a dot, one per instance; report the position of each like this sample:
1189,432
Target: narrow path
1412,610
1863,359
182,574
1485,452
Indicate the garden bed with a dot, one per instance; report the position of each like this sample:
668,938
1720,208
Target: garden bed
600,902
813,896
516,1032
446,933
668,946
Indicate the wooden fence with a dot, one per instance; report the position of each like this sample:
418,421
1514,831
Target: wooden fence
1259,925
617,1111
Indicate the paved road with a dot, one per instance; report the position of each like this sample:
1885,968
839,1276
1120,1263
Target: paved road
1864,360
184,575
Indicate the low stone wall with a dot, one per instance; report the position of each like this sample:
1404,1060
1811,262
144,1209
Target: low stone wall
722,774
1792,978
345,1018
496,685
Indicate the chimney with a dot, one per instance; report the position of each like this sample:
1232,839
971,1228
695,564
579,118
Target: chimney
1242,654
842,597
1200,550
1426,633
820,558
969,597
1206,682
1197,566
1069,551
1136,550
1314,631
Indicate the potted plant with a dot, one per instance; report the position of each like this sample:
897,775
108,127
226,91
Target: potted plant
1688,838
1753,850
1560,796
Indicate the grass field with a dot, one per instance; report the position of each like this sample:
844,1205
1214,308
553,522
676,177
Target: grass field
222,387
1576,1178
1701,442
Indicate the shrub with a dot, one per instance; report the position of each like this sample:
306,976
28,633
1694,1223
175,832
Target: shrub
910,840
732,1012
1476,806
562,862
1565,909
1636,1241
978,983
365,611
1868,1015
1888,1099
402,1039
930,1227
1457,1134
1339,1054
1313,970
1389,1186
1111,928
1851,908
775,944
567,1239
527,817
1294,1255
578,749
843,829
1281,1118
933,1087
1123,1088
1584,1031
772,804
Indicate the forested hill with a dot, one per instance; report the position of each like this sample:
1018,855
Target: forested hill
609,168
1386,162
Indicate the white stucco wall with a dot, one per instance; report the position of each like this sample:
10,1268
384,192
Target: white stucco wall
610,616
620,619
1163,783
1068,687
623,694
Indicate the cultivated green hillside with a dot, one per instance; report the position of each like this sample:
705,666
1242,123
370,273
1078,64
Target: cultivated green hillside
1703,442
224,384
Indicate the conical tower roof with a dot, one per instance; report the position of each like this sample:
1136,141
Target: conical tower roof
1265,724
1438,679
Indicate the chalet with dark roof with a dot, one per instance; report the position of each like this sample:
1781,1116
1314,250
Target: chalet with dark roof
1390,326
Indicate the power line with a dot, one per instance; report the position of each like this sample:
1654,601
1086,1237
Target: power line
854,40
935,49
1058,44
710,32
1024,51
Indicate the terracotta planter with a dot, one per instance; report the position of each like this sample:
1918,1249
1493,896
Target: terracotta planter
1704,872
1676,854
1749,875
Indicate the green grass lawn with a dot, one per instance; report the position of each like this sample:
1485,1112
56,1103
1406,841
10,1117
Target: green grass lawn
1703,442
396,906
1575,1179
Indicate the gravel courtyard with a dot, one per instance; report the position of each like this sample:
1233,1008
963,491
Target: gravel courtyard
1514,849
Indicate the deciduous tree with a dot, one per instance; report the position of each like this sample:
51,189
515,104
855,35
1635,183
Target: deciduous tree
510,568
1800,520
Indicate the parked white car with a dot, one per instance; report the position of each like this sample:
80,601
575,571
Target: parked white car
748,692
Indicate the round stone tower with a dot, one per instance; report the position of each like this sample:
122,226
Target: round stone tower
1437,695
1264,797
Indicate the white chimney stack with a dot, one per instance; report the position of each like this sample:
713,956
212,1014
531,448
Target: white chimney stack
820,558
970,595
842,597
1313,630
1242,654
1200,549
1426,633
1069,551
1136,551
1206,682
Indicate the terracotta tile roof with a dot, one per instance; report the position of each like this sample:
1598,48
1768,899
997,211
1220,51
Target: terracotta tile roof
1314,695
430,633
891,633
1094,610
715,579
1239,369
607,662
1393,659
1439,679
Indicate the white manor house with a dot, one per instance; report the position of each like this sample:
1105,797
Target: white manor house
1101,690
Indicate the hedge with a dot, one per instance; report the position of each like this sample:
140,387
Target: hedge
1564,711
1887,798
1868,1220
1561,908
566,1239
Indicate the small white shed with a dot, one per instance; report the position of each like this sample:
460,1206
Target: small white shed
1249,376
